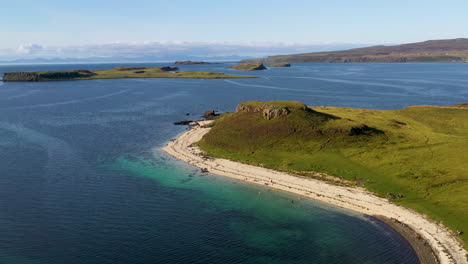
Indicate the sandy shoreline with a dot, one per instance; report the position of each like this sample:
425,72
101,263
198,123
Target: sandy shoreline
443,243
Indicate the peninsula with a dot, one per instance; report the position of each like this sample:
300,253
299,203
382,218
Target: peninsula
194,62
283,64
449,50
249,67
115,73
404,165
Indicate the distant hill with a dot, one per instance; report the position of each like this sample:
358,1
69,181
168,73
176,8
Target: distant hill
449,50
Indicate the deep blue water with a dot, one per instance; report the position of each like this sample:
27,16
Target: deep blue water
79,182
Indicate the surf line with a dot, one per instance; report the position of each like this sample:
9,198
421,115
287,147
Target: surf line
68,102
266,86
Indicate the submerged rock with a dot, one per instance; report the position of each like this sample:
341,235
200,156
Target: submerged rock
183,123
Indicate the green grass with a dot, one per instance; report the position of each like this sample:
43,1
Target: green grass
116,73
284,64
420,152
460,105
248,67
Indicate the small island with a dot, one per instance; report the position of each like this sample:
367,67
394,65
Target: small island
401,166
194,62
115,73
284,64
249,67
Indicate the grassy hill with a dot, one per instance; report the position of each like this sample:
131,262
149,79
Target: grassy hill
450,50
115,73
416,152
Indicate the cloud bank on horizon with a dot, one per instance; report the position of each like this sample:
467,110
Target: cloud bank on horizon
243,28
154,50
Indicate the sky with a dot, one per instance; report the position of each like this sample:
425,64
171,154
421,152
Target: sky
254,27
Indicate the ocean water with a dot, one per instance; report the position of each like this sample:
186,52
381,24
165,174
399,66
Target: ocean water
82,179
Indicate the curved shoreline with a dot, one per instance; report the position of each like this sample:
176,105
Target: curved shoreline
443,243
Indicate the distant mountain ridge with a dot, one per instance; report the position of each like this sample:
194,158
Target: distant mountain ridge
448,50
122,59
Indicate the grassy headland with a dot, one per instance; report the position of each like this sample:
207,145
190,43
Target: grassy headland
115,73
413,156
248,67
283,64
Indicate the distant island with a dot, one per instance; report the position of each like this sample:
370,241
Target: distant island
407,158
194,62
249,67
450,50
115,73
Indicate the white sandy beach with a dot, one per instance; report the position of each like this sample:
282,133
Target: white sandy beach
445,245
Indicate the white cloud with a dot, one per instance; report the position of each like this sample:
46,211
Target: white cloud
28,49
168,50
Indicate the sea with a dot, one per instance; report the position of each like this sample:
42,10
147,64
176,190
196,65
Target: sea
83,179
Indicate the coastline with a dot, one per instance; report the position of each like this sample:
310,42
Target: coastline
416,228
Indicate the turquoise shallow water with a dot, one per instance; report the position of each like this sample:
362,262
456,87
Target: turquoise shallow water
80,184
269,226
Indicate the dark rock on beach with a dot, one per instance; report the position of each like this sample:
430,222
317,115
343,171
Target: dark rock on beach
210,114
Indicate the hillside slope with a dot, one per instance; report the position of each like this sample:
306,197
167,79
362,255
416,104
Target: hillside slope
450,50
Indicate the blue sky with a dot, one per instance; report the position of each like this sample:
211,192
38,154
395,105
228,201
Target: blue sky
63,24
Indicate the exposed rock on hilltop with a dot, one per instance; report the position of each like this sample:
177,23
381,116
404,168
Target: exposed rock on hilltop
270,110
257,106
273,112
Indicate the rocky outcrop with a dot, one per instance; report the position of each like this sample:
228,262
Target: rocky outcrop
20,76
169,68
274,112
270,110
210,114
